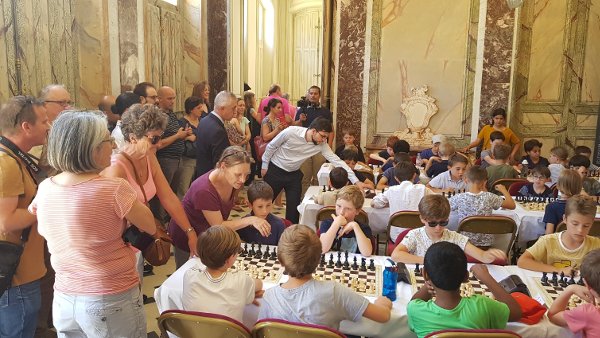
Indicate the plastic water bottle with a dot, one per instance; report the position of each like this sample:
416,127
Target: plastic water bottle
419,161
525,168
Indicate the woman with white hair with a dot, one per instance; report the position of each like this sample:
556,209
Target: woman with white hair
82,216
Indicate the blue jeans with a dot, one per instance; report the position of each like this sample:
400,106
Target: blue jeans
19,307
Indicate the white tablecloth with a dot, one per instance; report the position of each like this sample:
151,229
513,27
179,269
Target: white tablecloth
168,296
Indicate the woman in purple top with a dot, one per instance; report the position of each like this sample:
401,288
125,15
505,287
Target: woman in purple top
210,199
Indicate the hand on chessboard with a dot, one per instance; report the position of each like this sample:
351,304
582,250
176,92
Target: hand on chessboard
568,270
480,271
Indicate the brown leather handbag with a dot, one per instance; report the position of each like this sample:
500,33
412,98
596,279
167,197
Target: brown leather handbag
155,249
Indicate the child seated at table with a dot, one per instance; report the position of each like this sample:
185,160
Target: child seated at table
587,152
436,140
404,196
387,178
338,178
342,232
451,179
559,159
533,148
487,156
569,184
349,137
215,289
538,187
304,300
478,202
386,154
350,156
260,201
445,269
585,318
438,165
501,169
580,163
564,251
434,211
399,146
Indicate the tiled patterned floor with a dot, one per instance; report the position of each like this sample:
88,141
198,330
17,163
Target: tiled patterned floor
159,274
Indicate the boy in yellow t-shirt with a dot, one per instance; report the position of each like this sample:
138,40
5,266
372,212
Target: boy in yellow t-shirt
564,251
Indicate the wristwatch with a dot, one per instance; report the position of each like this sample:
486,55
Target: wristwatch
188,230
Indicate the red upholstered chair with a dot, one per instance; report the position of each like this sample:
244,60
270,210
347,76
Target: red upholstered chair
473,334
287,223
277,328
507,182
190,324
392,246
478,161
374,162
514,188
402,219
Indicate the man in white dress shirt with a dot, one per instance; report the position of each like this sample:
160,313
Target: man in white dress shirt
285,154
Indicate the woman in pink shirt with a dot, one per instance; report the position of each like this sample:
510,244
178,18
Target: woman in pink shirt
83,215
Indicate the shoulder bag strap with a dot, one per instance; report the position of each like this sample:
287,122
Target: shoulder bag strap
135,174
26,231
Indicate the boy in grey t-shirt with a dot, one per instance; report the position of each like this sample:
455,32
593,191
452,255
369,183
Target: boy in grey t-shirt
304,300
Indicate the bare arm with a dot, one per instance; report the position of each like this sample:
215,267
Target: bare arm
527,261
514,151
550,228
13,218
481,272
557,310
379,311
486,257
269,135
508,202
331,234
401,254
142,217
375,156
364,242
215,218
382,183
475,143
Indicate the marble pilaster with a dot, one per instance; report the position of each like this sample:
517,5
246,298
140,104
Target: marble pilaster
128,43
217,45
194,45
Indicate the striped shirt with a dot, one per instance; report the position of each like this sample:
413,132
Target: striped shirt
175,149
83,224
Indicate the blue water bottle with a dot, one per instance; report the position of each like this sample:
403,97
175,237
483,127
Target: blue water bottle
390,281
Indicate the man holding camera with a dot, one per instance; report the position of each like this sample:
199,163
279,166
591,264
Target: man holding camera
309,110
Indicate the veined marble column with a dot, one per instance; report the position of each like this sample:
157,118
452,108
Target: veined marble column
128,43
217,45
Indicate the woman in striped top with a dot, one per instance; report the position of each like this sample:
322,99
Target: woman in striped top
82,216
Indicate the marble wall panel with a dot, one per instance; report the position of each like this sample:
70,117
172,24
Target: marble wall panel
128,43
6,31
586,121
497,59
352,29
542,119
418,49
217,45
153,45
194,54
171,54
546,56
590,91
63,49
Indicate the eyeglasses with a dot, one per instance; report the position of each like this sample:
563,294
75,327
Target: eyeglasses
441,223
63,103
323,136
110,139
25,102
153,97
155,139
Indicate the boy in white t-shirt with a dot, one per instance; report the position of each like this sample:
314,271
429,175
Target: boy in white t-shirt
214,289
404,196
434,211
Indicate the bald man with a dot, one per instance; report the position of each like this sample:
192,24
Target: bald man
105,106
56,98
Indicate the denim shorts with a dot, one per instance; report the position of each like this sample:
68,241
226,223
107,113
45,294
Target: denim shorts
19,307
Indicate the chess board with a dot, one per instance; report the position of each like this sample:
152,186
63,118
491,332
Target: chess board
533,206
366,282
467,289
551,292
264,268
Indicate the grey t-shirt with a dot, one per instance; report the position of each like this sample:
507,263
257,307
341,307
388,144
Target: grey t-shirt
324,303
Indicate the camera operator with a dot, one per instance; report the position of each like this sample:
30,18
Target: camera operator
308,110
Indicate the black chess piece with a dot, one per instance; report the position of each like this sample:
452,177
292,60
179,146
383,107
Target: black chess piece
354,265
258,251
324,188
346,263
417,270
251,252
382,190
580,281
544,279
563,282
572,279
330,263
330,189
243,252
371,265
443,194
322,262
267,253
555,278
363,264
338,263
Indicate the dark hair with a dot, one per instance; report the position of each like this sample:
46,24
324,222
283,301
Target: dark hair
259,190
530,144
314,87
142,87
404,171
446,265
589,269
501,151
274,89
401,157
191,103
499,111
124,101
321,124
457,158
579,161
541,170
476,174
496,135
348,130
582,150
338,177
272,103
217,244
349,154
401,146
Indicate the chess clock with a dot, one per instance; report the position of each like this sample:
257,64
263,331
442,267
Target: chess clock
513,283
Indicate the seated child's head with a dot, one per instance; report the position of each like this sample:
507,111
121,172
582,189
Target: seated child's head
541,175
389,145
580,163
338,177
496,138
558,155
405,171
299,251
350,156
590,272
434,211
436,140
501,152
260,198
569,183
447,149
349,135
579,216
218,247
583,150
457,164
476,176
533,148
401,146
401,157
350,200
445,265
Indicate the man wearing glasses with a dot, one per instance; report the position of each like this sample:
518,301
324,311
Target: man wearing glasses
147,92
285,154
56,98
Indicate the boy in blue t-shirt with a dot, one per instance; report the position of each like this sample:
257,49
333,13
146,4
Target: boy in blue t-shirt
342,232
260,200
444,270
569,184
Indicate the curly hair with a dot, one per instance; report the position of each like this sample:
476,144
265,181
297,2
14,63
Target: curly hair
139,119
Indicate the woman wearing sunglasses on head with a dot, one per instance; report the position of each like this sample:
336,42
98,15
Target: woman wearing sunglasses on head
142,127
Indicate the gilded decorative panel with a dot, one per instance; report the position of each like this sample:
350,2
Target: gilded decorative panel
590,91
